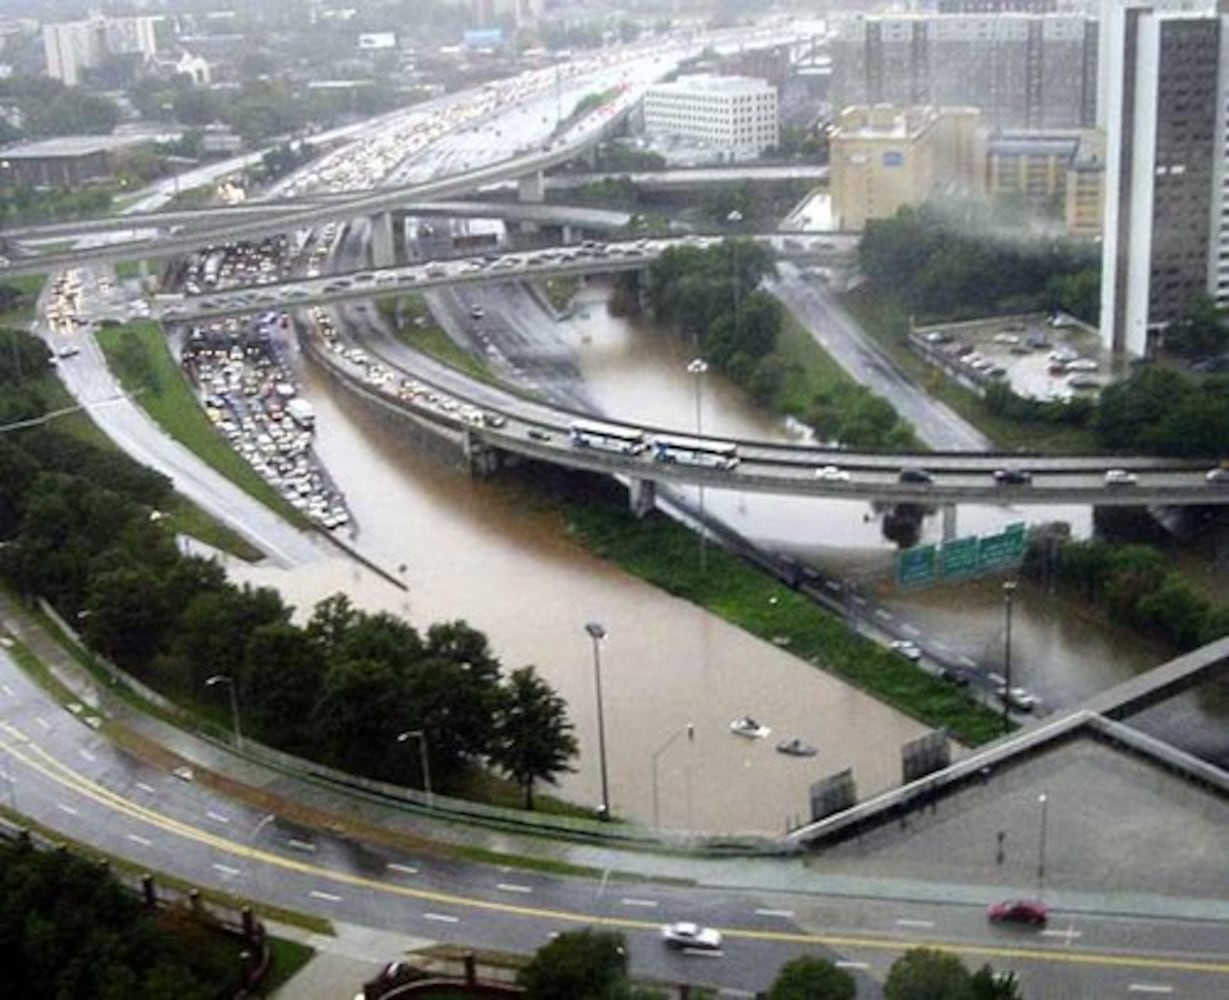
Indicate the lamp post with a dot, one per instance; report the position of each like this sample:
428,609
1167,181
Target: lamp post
597,633
735,219
1041,845
234,703
698,368
424,762
1009,589
690,730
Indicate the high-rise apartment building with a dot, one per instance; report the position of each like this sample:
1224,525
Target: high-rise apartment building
1166,115
1020,70
72,46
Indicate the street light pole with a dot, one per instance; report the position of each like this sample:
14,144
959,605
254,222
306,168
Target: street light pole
423,760
234,703
734,219
597,633
698,368
1041,846
690,730
1009,589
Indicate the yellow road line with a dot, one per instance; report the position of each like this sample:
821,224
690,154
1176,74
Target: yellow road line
53,769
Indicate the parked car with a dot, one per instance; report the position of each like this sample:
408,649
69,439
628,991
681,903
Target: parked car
915,475
1120,477
907,648
832,474
1017,698
686,936
1019,911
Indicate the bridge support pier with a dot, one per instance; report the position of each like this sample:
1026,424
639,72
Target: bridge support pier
568,234
949,522
400,236
482,460
532,188
643,496
382,254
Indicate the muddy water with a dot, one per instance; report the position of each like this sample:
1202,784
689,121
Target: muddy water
484,551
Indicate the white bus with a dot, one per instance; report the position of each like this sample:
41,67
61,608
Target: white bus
607,437
696,451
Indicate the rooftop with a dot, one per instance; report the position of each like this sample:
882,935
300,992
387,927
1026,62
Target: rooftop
71,145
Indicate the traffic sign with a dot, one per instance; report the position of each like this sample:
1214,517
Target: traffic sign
959,558
917,566
1003,549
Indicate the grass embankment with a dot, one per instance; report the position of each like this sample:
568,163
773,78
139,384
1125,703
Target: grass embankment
662,552
415,326
887,323
138,355
560,292
28,287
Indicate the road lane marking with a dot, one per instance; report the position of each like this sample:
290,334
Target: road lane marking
785,914
402,869
217,817
513,887
145,788
40,760
68,809
224,869
649,903
1149,988
912,630
967,661
86,754
42,722
1070,933
330,897
442,918
7,690
842,964
136,838
883,614
907,922
301,845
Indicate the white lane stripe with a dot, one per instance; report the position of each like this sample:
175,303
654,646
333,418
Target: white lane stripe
145,788
136,838
217,817
225,869
329,896
639,902
301,845
906,922
42,722
7,690
513,887
910,629
884,614
86,754
967,661
1071,932
852,965
403,869
1149,988
442,918
68,809
787,914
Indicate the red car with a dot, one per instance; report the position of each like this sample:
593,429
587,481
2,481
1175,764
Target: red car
1019,911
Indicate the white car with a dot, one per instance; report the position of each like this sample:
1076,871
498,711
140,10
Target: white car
686,936
1119,477
907,648
832,474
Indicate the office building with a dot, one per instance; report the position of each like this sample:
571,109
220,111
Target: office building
1034,71
885,157
1058,175
73,46
731,113
1166,241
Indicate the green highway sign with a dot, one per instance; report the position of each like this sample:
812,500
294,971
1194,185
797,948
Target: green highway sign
1003,549
917,566
959,558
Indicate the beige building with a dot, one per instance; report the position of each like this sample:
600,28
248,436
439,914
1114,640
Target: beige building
1058,174
884,157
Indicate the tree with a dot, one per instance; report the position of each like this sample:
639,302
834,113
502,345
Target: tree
1200,331
578,965
990,985
812,978
928,974
533,736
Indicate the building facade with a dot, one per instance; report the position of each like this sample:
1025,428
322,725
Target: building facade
1021,70
723,112
1166,239
1057,175
884,157
73,46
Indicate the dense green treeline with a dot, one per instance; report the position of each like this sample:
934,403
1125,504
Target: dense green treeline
79,527
69,929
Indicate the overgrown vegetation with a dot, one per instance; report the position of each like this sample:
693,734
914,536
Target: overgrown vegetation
712,297
415,326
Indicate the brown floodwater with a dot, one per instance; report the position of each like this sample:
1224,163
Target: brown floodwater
486,551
